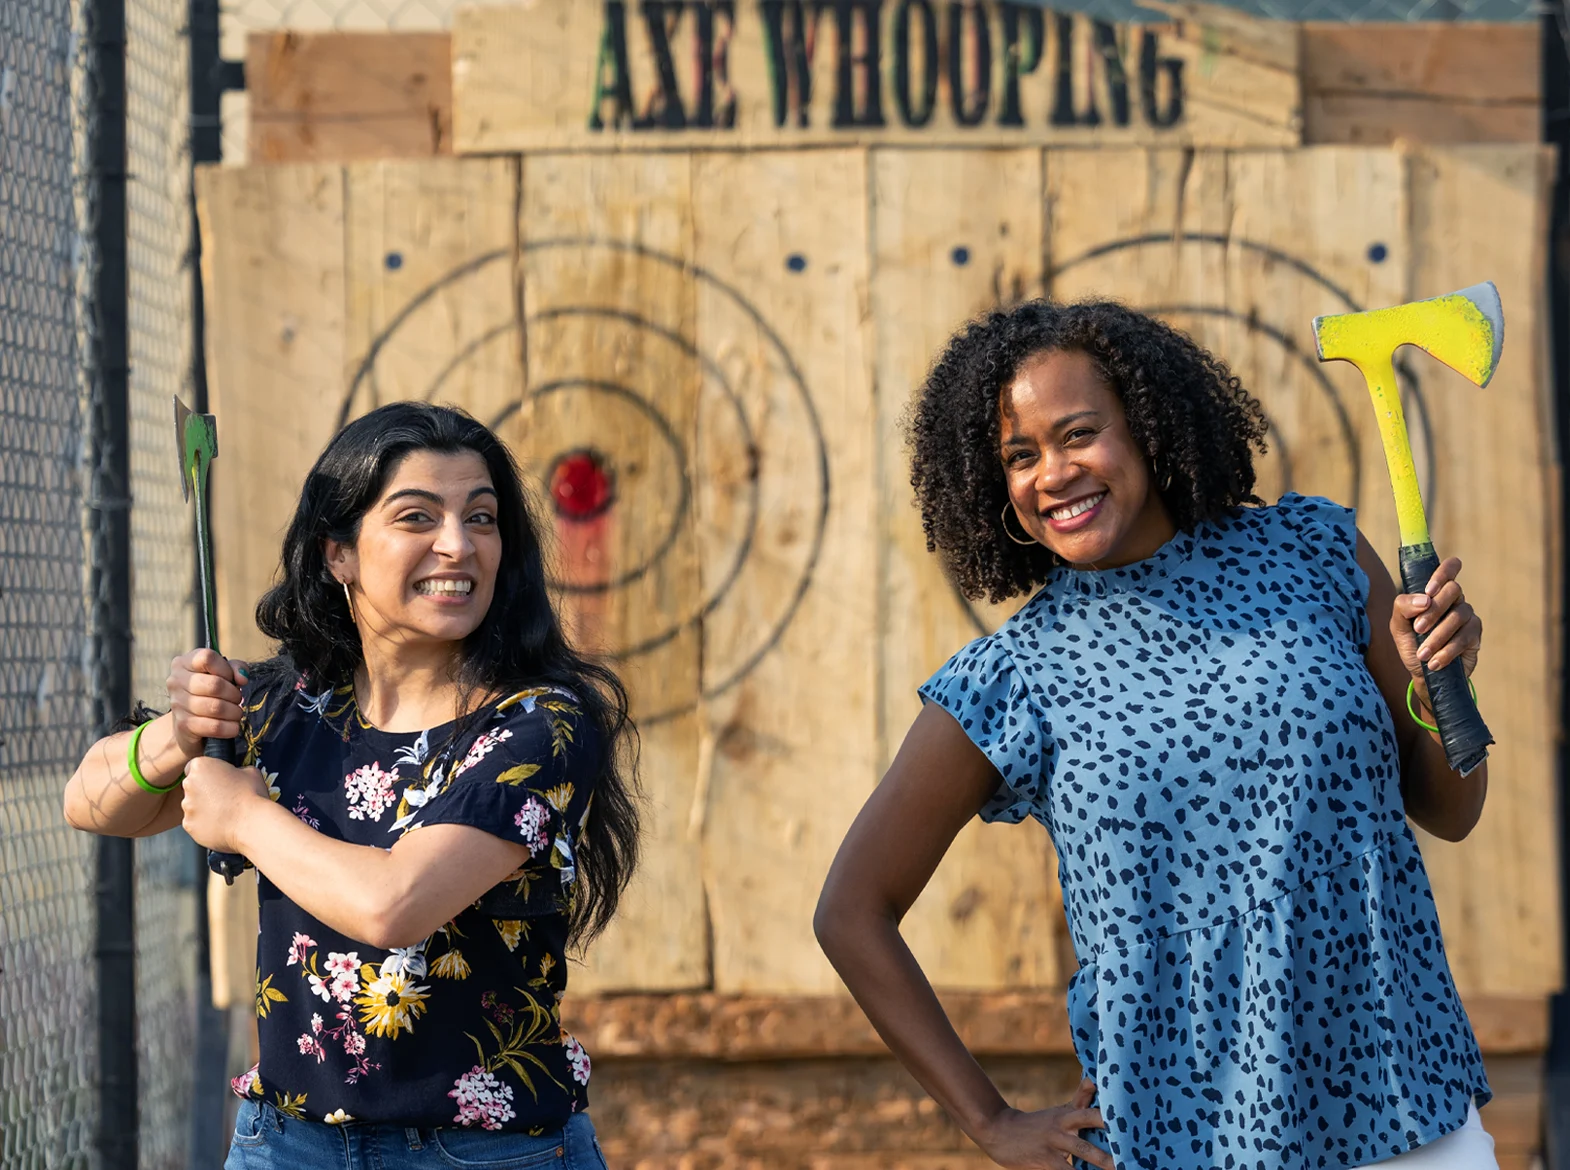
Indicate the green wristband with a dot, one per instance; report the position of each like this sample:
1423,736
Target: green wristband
136,773
1411,691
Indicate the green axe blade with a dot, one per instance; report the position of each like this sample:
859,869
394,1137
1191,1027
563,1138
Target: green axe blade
196,436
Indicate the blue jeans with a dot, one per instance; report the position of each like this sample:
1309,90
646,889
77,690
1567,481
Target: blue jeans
264,1139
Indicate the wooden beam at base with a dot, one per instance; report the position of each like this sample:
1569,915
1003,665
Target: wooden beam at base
707,1026
869,1114
342,97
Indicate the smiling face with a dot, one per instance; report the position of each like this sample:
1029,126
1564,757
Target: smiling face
423,568
1077,481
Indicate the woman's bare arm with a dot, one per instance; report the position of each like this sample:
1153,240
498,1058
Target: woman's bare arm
1438,799
101,797
937,783
204,700
384,898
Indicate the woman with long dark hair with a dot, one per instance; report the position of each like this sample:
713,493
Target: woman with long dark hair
439,795
1217,708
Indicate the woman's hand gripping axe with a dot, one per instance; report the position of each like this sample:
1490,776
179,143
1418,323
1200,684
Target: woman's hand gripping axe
196,435
1466,331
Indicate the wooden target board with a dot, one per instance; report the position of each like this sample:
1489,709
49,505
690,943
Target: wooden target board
700,360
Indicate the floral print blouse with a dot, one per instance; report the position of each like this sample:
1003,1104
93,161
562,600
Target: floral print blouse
463,1028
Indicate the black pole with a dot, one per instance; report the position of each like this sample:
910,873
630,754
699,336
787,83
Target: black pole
209,1135
1556,130
115,887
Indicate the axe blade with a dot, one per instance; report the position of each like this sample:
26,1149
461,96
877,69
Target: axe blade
195,438
1485,298
1464,329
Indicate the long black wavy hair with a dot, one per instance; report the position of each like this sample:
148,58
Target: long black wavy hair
1186,410
519,643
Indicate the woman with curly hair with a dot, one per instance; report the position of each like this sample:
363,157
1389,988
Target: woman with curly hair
439,795
1216,708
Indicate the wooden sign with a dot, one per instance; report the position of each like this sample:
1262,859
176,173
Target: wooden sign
628,74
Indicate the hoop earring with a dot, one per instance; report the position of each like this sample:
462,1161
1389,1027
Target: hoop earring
1007,508
348,600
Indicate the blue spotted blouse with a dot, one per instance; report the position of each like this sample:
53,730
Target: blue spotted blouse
1261,979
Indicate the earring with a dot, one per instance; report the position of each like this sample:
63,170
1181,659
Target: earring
1007,508
348,600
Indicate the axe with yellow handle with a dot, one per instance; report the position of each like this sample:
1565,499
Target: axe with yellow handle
1466,331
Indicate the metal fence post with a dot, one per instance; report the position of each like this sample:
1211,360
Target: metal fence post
115,949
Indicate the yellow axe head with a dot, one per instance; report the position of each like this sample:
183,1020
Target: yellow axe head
1465,330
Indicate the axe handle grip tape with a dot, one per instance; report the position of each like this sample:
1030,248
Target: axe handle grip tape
1461,728
229,865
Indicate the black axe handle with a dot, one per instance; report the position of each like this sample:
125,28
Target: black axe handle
1461,728
230,865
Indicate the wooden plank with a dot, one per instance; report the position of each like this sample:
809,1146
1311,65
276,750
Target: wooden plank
1434,83
1478,212
784,238
232,923
797,1115
1242,251
1225,31
341,96
952,241
273,270
1514,1117
868,1114
754,1027
802,1027
273,275
561,74
430,285
1293,204
1361,120
615,384
1459,62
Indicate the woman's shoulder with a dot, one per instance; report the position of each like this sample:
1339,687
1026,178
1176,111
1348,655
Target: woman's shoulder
538,704
536,718
982,667
1315,523
1295,511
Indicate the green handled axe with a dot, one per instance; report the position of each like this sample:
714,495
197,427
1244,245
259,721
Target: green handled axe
1466,331
196,435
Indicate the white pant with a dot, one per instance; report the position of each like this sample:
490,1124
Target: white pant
1468,1148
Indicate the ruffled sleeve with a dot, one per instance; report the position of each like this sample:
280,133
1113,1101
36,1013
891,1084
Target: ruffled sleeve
526,777
981,687
1326,537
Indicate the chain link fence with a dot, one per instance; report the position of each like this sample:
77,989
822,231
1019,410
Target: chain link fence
47,1001
49,1039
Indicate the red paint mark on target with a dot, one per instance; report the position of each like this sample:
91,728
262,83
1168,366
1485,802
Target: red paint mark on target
582,489
582,486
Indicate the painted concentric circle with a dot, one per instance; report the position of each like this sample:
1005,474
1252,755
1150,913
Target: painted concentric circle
674,464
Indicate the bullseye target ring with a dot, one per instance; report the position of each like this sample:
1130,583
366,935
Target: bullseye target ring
610,441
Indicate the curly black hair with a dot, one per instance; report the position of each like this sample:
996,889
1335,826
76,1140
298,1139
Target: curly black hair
1185,409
